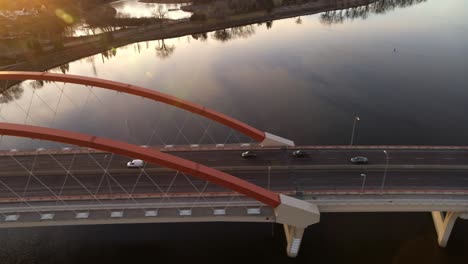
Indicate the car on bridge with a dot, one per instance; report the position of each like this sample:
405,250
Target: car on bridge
300,153
248,155
359,160
137,163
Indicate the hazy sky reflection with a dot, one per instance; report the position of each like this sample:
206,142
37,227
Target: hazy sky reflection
403,72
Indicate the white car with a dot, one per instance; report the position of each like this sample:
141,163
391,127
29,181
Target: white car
135,164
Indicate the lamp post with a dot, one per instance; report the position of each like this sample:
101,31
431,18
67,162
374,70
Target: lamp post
356,118
363,181
385,171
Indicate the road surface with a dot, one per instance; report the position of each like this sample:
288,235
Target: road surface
104,174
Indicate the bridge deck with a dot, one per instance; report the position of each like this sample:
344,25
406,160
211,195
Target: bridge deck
276,169
417,179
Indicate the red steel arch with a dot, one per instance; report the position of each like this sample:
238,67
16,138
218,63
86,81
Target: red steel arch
198,170
139,91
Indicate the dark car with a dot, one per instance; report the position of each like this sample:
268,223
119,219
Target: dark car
300,153
359,160
248,155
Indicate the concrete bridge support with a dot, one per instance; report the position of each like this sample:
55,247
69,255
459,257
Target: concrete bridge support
273,140
444,224
295,215
293,238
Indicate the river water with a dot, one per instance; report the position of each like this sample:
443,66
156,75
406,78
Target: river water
402,70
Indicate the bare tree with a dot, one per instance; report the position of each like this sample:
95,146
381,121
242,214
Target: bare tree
160,13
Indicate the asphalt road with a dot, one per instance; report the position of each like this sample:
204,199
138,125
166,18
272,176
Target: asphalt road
278,170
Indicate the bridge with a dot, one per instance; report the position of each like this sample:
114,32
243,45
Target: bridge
90,183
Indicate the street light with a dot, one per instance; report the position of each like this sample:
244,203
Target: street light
363,181
385,171
356,118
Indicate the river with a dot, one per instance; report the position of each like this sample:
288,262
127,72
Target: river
402,70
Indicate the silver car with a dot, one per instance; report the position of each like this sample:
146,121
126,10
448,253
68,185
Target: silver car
359,160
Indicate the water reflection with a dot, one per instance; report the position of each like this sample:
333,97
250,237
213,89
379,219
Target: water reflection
105,37
201,36
310,79
13,93
105,30
155,73
233,33
108,54
299,20
377,7
163,51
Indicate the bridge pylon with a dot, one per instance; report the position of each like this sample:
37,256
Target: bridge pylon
444,225
296,215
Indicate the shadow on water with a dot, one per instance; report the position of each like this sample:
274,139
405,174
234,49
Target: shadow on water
398,238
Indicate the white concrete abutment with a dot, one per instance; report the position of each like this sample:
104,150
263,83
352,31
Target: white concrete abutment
296,215
444,224
275,141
